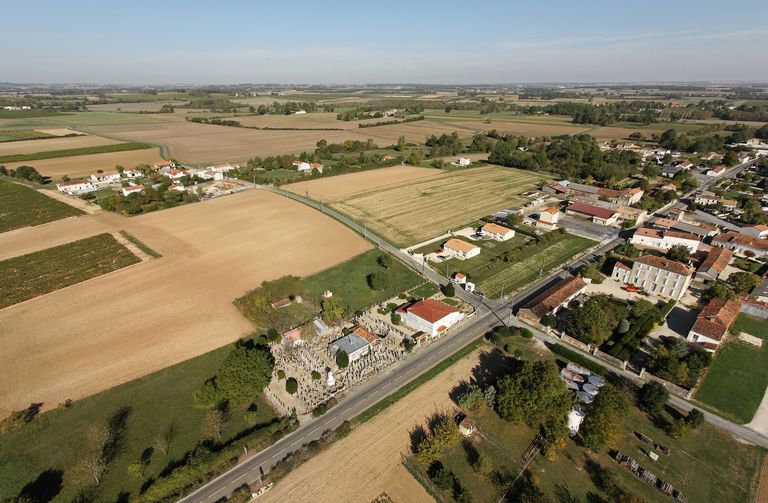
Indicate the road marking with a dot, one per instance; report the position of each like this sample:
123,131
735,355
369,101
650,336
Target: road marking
241,476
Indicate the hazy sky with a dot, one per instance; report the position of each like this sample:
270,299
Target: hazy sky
161,42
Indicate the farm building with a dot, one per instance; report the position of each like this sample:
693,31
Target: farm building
429,316
598,215
741,244
551,299
713,322
111,177
132,189
625,213
76,187
355,346
664,239
657,275
461,249
714,264
497,232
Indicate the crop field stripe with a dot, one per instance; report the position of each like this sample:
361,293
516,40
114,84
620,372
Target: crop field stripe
50,154
28,276
21,206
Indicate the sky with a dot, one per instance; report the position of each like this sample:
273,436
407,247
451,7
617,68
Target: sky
359,42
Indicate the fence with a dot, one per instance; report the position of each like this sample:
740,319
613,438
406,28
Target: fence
574,342
672,388
610,359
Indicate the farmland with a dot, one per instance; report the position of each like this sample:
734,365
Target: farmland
72,119
151,324
409,208
44,145
84,165
72,152
8,135
21,206
41,272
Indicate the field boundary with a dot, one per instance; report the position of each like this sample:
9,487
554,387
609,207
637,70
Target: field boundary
71,152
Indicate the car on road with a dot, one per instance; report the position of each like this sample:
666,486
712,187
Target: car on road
479,294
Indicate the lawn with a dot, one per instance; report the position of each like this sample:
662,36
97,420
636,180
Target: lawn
424,291
51,154
747,265
21,206
491,276
154,404
738,377
37,273
349,281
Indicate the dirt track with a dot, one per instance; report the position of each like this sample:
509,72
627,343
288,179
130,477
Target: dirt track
367,462
95,335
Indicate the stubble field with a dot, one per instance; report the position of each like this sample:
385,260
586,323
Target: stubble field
134,321
84,165
33,146
407,208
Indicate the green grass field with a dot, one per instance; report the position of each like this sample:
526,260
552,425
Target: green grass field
21,206
28,276
747,265
75,119
424,291
51,154
16,114
23,134
738,377
155,402
349,284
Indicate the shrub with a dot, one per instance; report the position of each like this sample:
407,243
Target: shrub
379,280
281,374
652,397
448,290
575,357
550,321
342,359
396,318
19,418
291,385
315,375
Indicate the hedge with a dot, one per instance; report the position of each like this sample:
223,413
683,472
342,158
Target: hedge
577,358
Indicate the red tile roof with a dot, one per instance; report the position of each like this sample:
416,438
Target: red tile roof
549,299
459,245
595,211
365,334
716,318
740,239
666,264
429,310
495,229
716,259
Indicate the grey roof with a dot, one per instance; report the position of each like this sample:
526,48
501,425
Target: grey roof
580,187
349,343
671,170
762,289
320,327
691,229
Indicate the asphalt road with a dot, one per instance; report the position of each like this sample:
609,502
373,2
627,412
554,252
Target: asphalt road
489,313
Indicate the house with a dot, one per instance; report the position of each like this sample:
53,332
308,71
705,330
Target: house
728,204
759,231
316,166
706,199
175,174
221,168
657,275
546,218
625,197
670,171
713,323
741,244
299,112
685,164
621,272
132,173
355,346
714,264
668,186
76,187
459,278
292,337
132,189
110,177
429,315
467,427
177,187
463,161
302,166
497,232
164,165
551,299
625,213
664,239
461,249
598,215
373,339
716,171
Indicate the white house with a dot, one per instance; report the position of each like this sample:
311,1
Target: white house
175,174
713,323
221,168
497,232
463,161
111,177
355,346
132,173
461,249
76,187
659,276
716,171
177,187
302,166
133,189
429,316
164,165
664,239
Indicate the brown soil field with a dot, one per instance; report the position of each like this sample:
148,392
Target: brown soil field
613,133
407,210
84,165
311,120
32,146
529,129
134,107
367,462
132,322
417,131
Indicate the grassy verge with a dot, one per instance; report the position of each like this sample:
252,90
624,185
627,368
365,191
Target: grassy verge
21,206
28,276
372,411
51,154
576,358
158,406
738,377
141,246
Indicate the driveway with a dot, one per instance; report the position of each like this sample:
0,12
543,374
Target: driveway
587,229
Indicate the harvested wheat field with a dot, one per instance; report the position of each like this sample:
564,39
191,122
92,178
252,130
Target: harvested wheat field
152,106
200,143
416,131
48,144
310,120
83,165
132,322
529,129
409,210
367,462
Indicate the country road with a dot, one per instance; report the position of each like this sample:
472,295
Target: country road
489,313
